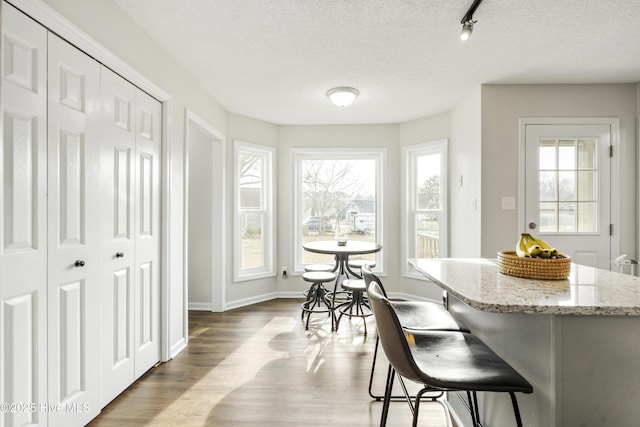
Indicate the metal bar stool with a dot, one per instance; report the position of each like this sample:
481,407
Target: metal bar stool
356,303
357,264
317,267
318,297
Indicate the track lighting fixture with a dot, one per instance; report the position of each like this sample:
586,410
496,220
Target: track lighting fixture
467,20
467,28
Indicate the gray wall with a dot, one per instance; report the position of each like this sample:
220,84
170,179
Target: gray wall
464,161
107,24
503,105
200,273
257,132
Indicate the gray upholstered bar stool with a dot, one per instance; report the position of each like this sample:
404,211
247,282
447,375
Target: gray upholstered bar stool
420,315
318,297
356,305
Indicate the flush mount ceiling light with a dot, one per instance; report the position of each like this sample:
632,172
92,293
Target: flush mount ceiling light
342,96
467,21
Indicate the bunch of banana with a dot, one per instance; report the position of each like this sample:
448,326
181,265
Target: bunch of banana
531,247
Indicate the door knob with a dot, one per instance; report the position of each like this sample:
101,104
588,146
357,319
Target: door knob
119,254
79,263
532,225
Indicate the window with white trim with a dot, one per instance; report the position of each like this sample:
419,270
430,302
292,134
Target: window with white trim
337,194
425,201
254,229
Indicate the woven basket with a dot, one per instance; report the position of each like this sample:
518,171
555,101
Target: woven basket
534,268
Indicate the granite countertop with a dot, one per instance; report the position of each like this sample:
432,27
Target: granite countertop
588,291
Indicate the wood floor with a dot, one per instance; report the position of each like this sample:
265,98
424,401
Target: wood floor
257,366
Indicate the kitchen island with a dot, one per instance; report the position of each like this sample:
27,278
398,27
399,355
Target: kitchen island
577,341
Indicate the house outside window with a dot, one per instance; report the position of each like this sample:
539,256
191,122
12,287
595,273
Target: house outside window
254,229
337,193
425,203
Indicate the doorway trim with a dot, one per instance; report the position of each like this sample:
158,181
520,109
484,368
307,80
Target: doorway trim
614,125
51,19
218,285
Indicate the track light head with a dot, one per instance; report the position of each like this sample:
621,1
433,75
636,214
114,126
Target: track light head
467,21
467,29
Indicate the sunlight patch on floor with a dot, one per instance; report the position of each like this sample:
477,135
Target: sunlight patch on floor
252,356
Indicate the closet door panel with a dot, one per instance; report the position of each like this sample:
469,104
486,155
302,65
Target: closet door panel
147,232
117,206
73,230
23,218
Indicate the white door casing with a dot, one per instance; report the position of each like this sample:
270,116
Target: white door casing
73,230
198,131
578,192
23,218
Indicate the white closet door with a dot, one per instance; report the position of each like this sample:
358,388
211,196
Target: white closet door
74,308
23,218
147,232
118,254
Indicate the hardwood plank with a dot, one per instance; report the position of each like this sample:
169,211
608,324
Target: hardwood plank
257,366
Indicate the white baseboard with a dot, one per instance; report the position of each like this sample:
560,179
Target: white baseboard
200,306
249,301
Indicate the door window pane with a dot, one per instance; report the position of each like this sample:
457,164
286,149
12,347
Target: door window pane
567,217
567,186
567,189
586,154
548,217
547,155
587,186
548,186
587,217
566,155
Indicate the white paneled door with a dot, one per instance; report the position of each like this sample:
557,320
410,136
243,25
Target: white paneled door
130,200
79,229
147,232
118,253
73,230
23,219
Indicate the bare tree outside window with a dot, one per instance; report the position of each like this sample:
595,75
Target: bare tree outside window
336,194
329,188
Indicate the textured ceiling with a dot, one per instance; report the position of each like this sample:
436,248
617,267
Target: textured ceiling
274,60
